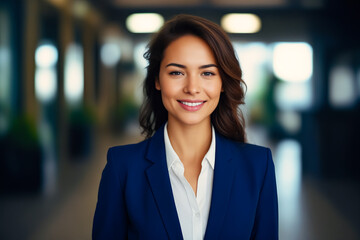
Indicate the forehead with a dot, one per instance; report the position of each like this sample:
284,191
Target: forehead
189,49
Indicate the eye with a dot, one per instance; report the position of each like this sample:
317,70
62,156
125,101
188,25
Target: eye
175,73
208,74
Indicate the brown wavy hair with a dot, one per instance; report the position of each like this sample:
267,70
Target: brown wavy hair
227,118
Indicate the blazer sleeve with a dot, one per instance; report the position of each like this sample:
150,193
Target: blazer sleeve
110,219
266,219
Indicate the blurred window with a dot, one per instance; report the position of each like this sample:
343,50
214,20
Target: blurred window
287,156
293,96
288,168
342,87
5,58
74,74
253,58
5,68
293,62
46,57
139,50
141,64
290,120
110,52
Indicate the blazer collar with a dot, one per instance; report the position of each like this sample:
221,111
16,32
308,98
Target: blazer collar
158,177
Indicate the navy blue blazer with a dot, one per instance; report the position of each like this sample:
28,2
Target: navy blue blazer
135,199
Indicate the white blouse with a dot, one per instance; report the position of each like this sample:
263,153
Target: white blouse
193,210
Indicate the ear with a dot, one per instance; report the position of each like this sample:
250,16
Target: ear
157,84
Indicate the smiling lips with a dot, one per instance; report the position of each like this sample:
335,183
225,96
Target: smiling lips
191,106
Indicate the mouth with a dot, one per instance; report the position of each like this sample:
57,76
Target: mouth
191,105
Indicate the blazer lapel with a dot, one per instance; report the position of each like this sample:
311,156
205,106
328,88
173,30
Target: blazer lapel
224,173
158,177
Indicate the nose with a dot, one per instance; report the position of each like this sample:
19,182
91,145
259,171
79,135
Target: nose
192,85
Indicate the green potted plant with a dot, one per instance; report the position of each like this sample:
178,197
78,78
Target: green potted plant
81,130
123,113
20,157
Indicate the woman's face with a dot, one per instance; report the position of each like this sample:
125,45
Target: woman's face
189,81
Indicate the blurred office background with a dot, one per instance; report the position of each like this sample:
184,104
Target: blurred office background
70,87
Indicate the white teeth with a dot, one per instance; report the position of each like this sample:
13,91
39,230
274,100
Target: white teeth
192,104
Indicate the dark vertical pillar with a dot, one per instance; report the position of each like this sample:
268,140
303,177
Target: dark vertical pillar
31,36
16,11
65,38
88,43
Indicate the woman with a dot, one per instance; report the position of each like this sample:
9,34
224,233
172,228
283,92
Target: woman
194,177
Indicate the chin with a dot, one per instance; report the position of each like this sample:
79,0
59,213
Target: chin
192,121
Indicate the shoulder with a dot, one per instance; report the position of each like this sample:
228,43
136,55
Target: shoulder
127,155
252,150
124,150
253,163
247,156
137,150
255,155
244,149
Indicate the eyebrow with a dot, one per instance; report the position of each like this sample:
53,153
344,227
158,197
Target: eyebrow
183,66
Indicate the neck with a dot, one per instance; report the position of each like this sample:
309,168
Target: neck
190,142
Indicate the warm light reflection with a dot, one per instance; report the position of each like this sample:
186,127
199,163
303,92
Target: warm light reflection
80,8
74,74
58,3
293,62
241,23
144,22
342,92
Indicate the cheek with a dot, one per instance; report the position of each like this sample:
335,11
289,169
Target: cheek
169,88
215,90
168,94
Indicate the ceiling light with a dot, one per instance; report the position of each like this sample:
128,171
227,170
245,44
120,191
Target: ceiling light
144,22
241,23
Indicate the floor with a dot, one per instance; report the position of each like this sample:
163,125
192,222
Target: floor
309,208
